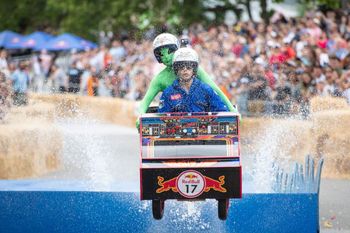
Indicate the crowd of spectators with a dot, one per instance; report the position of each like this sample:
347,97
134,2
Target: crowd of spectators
273,68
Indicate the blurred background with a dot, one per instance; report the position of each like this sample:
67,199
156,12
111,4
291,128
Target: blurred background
269,57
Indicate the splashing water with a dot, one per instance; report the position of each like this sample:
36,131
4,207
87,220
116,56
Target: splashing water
94,152
107,156
271,152
188,216
86,157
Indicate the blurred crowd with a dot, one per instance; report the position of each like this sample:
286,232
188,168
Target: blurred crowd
263,69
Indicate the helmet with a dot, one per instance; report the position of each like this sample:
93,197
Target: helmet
164,40
185,56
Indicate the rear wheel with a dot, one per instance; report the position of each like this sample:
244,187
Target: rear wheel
157,209
223,205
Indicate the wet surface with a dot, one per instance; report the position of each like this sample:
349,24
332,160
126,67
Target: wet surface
106,157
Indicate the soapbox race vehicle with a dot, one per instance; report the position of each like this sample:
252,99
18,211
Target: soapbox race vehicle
190,156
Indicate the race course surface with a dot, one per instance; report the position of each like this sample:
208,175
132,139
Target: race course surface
107,154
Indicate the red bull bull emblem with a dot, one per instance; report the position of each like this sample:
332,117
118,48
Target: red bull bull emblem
215,184
166,185
175,97
191,184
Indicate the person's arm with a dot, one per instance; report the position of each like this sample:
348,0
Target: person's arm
153,89
164,105
204,77
215,102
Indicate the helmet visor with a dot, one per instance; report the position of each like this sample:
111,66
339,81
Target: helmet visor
158,51
177,66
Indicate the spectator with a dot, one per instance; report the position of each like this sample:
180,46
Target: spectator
74,78
282,100
59,79
92,84
3,60
316,47
38,75
46,61
258,84
117,51
20,82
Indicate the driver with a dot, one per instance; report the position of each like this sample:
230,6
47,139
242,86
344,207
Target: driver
164,46
187,93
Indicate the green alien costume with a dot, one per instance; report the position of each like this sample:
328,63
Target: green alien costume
167,76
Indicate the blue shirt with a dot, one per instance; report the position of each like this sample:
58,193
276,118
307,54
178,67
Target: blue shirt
200,98
20,81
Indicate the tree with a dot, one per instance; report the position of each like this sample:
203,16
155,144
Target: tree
22,15
87,17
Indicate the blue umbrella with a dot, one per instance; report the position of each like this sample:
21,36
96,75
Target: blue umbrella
10,40
62,42
35,40
87,44
67,41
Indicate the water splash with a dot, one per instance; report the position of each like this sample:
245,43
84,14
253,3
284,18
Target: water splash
90,153
189,216
272,147
84,152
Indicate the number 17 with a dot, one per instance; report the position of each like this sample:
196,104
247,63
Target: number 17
194,186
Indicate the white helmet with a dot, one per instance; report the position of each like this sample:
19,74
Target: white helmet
185,57
164,40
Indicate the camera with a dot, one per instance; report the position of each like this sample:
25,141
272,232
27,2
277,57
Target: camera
184,42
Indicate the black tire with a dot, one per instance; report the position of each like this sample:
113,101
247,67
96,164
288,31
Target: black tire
157,209
223,205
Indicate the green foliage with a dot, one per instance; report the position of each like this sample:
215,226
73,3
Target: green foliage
328,3
87,17
21,15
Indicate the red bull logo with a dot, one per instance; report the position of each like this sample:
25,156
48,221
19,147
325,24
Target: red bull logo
175,97
191,184
166,185
191,176
215,184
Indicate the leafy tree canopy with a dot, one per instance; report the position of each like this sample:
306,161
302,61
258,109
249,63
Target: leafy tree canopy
87,17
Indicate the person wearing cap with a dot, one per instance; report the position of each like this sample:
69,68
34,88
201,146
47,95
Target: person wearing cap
187,93
164,46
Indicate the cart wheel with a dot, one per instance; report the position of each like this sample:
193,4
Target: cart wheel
157,209
223,205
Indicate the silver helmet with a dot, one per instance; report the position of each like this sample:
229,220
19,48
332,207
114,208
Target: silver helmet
185,57
164,40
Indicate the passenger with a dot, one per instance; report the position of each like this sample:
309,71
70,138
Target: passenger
164,46
187,93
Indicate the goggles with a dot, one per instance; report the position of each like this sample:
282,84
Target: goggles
185,65
180,65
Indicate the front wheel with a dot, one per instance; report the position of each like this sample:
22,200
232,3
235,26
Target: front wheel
157,209
223,205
